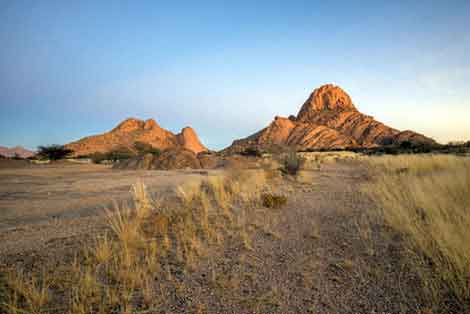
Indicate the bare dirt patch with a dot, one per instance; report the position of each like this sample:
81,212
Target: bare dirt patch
41,203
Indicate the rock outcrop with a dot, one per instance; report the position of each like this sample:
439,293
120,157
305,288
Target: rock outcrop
17,151
189,140
130,131
327,120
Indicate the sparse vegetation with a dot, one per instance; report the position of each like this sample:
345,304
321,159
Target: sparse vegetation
115,155
123,153
292,163
403,148
119,153
53,152
145,148
273,201
426,200
252,151
98,157
121,271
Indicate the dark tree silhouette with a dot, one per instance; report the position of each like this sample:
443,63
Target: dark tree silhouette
54,152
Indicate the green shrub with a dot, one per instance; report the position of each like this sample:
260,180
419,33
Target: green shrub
273,201
292,164
98,157
117,154
120,153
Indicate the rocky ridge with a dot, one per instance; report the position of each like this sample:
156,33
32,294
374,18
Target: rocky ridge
132,130
327,120
17,151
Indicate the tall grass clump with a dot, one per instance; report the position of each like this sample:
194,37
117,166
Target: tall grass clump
427,200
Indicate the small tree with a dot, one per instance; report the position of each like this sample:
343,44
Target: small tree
54,152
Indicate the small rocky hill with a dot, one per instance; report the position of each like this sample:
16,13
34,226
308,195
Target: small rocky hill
327,120
17,151
130,131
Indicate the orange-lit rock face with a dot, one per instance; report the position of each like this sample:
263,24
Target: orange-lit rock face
129,125
328,119
130,131
189,140
150,124
16,151
325,98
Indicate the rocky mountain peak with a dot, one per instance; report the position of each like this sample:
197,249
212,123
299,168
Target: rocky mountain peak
129,125
16,151
189,139
133,130
150,124
327,120
325,98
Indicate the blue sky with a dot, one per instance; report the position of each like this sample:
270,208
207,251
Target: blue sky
70,69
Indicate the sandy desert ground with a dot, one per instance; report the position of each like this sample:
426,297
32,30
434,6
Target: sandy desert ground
308,257
320,253
43,203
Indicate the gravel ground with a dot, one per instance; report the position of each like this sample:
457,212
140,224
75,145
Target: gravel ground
43,203
318,254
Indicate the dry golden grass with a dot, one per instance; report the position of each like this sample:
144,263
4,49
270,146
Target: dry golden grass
34,292
121,271
314,160
427,199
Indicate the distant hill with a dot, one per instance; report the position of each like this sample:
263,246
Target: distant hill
16,151
327,120
130,131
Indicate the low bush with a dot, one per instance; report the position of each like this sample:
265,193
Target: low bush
114,156
292,164
120,153
273,201
146,148
98,157
252,152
